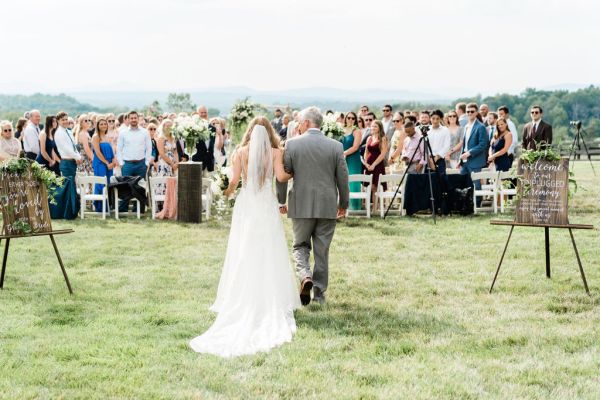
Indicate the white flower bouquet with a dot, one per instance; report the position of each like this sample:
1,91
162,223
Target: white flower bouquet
191,129
331,128
241,114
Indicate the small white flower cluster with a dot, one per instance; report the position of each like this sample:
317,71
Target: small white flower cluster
331,128
242,112
191,129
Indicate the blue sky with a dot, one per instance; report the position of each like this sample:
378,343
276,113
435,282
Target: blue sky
480,46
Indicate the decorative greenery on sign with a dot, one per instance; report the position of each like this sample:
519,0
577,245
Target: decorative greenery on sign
21,227
22,166
547,154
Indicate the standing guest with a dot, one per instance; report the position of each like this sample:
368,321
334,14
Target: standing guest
484,109
219,151
503,112
387,122
397,142
456,134
70,124
123,122
537,133
366,133
10,147
412,153
340,119
291,130
152,128
460,109
424,120
500,145
363,111
21,123
104,160
84,145
361,125
440,141
205,149
492,119
168,160
67,201
134,151
475,145
376,149
93,118
113,136
31,135
351,143
165,130
48,156
277,122
284,127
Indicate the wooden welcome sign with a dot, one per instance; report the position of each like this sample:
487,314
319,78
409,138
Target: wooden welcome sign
543,192
24,204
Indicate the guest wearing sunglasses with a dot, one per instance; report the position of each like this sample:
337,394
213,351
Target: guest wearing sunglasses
537,133
397,143
10,147
351,142
475,144
366,133
456,134
84,145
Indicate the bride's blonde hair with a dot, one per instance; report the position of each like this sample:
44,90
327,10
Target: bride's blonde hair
260,120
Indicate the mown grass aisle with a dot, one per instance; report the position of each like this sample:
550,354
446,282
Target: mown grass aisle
408,314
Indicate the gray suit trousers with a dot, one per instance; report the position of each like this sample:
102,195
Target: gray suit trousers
319,233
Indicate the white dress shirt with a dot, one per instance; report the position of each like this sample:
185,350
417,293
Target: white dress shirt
513,129
133,145
439,139
31,138
65,144
468,129
388,125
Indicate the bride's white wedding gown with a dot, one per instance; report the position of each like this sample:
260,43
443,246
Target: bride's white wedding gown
257,293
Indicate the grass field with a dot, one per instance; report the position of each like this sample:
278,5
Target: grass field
408,314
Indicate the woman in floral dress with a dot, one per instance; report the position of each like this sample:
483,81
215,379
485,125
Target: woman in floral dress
168,159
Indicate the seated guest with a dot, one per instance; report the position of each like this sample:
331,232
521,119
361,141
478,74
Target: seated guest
31,133
104,160
500,145
21,123
375,150
439,139
10,147
134,151
48,156
397,142
67,200
537,133
412,152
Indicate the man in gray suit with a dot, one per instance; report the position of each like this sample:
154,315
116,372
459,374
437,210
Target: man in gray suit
320,176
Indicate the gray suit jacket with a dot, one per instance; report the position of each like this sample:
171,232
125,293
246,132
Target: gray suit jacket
320,174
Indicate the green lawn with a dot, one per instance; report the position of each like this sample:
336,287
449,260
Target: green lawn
408,314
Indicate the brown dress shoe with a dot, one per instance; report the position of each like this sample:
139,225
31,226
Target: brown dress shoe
305,288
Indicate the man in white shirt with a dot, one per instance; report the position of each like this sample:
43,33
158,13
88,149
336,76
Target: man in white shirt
134,151
504,113
65,145
439,139
31,135
386,121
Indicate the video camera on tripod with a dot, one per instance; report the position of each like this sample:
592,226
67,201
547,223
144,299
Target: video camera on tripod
576,124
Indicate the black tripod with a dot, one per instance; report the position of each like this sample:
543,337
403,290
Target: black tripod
577,141
428,155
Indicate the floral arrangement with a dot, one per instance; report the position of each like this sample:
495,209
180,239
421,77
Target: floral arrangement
220,182
191,129
331,128
24,166
241,114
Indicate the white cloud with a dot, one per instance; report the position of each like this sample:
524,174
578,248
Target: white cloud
483,46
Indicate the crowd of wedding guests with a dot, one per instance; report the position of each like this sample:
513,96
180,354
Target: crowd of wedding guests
467,138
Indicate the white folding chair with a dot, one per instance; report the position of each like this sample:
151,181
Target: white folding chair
207,197
117,213
364,194
392,180
490,188
155,185
505,191
86,185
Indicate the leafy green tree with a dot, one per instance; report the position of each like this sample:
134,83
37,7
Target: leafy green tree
180,102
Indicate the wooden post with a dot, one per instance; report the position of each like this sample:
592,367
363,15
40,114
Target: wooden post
189,192
547,240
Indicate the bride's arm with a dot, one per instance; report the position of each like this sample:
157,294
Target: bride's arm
280,173
237,173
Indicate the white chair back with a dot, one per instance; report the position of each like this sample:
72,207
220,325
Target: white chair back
364,194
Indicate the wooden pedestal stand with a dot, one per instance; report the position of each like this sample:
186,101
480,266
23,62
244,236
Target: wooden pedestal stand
189,192
51,234
570,227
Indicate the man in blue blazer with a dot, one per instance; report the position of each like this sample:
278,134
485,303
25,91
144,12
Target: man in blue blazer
475,145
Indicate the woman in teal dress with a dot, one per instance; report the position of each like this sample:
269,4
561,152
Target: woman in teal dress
104,161
351,142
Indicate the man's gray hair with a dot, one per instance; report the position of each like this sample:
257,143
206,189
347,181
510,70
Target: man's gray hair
33,112
313,115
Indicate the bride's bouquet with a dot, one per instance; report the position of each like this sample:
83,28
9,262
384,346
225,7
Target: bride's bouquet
191,129
331,128
220,182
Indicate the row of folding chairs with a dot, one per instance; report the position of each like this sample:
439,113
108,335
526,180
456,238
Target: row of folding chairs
493,185
382,196
86,189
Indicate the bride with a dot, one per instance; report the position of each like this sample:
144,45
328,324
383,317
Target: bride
257,293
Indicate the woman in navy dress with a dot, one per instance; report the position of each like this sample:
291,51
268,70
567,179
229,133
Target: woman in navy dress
104,160
500,145
48,156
